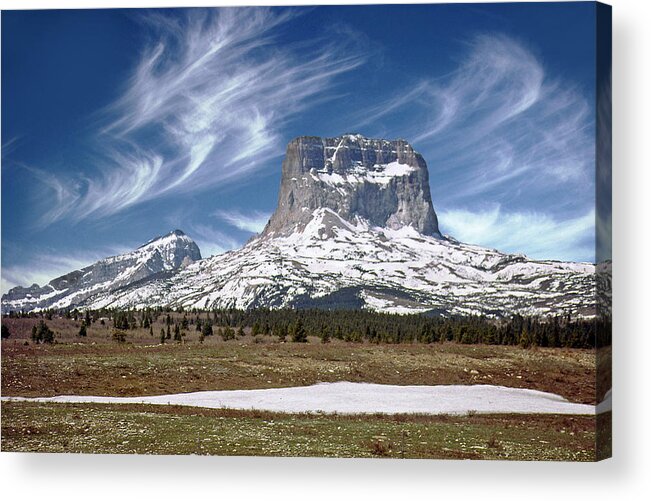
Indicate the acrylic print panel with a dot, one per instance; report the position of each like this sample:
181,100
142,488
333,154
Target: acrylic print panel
369,244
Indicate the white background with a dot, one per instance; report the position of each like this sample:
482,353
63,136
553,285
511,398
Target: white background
626,476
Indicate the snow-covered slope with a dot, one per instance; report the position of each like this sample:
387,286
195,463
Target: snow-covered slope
335,263
157,258
355,228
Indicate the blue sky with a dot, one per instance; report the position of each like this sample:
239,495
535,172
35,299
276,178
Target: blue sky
119,125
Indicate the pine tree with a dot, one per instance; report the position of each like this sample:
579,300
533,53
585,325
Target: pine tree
525,342
41,333
177,333
162,336
255,330
169,331
206,328
132,322
299,335
119,336
280,331
228,333
82,329
325,336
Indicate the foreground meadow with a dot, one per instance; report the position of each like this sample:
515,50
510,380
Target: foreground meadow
97,365
151,429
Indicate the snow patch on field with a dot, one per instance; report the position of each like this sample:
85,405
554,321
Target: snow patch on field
353,398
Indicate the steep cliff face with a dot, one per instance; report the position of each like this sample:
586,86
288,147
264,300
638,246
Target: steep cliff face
160,256
383,182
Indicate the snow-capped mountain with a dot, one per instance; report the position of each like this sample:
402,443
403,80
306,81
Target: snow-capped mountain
156,259
355,228
335,263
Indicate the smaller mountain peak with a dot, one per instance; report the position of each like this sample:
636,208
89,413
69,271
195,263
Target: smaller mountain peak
172,235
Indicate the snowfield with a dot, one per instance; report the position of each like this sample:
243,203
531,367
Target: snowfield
365,398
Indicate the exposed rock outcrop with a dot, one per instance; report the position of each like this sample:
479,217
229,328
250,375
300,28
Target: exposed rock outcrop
384,182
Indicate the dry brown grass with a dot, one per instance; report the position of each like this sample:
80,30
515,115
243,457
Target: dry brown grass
97,366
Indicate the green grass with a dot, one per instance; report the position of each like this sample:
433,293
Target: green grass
149,429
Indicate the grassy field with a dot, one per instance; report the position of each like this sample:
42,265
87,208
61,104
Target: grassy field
142,366
96,365
149,429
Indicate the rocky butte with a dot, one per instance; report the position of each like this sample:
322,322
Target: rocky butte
386,183
354,228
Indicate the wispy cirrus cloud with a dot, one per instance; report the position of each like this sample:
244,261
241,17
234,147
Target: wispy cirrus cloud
537,235
496,126
56,196
212,241
500,130
204,106
252,222
9,145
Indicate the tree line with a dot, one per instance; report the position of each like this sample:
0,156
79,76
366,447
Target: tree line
354,326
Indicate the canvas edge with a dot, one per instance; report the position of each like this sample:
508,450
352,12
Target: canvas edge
603,227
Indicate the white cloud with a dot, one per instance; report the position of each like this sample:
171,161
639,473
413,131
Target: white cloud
212,241
253,222
9,146
54,196
203,107
535,234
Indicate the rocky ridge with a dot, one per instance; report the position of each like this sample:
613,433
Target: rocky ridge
159,257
